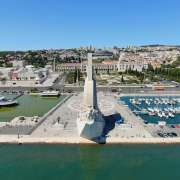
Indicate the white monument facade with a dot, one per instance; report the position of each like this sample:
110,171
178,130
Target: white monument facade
90,121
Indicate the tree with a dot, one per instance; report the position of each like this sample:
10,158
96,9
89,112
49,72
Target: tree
141,78
150,68
108,71
122,79
3,80
75,75
79,74
8,64
176,63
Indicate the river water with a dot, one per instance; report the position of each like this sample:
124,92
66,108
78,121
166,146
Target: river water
64,162
29,106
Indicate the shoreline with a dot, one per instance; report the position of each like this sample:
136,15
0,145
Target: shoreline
151,94
6,139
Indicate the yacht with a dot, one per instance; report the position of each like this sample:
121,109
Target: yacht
160,114
163,114
157,110
152,113
7,102
171,115
171,109
49,94
177,110
150,109
147,102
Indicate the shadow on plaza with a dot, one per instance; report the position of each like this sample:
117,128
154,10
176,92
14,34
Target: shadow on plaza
109,126
109,123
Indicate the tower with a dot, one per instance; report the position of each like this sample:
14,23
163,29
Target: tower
90,94
90,121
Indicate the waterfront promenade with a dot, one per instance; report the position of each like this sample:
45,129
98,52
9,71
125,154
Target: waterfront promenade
59,127
61,122
133,126
7,139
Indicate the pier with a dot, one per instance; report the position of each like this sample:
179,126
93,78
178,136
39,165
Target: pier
137,107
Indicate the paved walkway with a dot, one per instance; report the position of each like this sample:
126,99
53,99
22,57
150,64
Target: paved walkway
78,140
133,127
61,123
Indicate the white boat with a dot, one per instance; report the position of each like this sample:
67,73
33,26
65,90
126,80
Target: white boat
161,123
135,101
177,110
157,110
150,110
152,113
160,115
163,114
171,115
147,102
49,94
172,110
7,102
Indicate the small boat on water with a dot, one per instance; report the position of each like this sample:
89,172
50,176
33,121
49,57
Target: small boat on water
163,114
147,102
156,110
7,102
135,101
50,94
172,110
160,114
177,110
171,115
152,113
150,109
144,111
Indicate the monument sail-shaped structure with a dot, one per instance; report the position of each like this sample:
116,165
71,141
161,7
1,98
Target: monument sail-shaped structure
90,121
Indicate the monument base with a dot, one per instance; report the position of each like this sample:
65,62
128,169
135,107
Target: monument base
90,124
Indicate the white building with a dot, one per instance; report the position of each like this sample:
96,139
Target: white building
18,64
5,73
126,64
103,55
30,74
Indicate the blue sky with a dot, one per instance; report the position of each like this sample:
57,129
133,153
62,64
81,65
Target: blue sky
38,24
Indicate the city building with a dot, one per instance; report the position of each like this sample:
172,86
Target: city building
29,74
101,67
126,63
102,55
5,73
18,64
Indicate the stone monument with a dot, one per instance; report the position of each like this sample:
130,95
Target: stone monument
90,120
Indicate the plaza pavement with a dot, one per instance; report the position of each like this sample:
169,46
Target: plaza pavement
60,126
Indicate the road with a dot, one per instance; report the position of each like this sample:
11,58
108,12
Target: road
125,89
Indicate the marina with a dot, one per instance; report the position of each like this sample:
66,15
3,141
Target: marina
128,119
154,109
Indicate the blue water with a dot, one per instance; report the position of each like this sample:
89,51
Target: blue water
152,119
76,162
